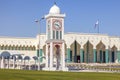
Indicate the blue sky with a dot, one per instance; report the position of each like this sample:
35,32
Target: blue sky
17,16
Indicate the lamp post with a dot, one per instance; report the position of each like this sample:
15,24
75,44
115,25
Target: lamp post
38,21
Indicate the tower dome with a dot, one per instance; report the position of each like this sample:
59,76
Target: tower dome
54,9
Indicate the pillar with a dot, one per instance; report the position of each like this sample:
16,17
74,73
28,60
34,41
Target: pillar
63,57
29,65
68,55
13,62
51,55
46,56
8,63
2,63
118,56
94,55
107,56
81,55
75,52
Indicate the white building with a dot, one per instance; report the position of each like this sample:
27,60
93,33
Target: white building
59,47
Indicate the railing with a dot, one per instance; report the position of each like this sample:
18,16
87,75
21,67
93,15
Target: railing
96,67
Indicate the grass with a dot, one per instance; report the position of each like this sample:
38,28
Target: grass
46,75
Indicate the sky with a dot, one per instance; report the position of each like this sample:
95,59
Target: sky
17,17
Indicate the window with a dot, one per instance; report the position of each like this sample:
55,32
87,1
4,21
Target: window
57,35
60,34
48,34
53,34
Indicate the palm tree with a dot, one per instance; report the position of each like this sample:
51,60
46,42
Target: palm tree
19,57
27,58
14,59
35,59
5,55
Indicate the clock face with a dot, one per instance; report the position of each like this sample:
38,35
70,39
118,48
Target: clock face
57,24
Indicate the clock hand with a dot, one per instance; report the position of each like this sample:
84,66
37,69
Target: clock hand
56,24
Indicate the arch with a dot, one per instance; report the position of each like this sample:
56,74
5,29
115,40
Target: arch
27,47
30,48
20,47
57,55
3,47
100,48
88,52
55,50
114,48
17,47
8,47
34,48
113,54
75,52
5,54
37,46
13,47
23,47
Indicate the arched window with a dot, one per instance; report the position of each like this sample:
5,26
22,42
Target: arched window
23,47
5,47
10,47
34,48
26,47
19,47
2,47
13,48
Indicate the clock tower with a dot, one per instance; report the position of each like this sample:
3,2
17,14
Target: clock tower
55,44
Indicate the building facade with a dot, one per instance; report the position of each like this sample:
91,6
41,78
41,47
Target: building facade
61,47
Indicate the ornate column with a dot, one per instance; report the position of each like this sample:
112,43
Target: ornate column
46,56
118,56
81,55
2,63
68,54
107,55
51,55
94,55
63,57
13,62
29,65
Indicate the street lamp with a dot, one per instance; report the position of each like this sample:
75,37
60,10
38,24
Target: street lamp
38,21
